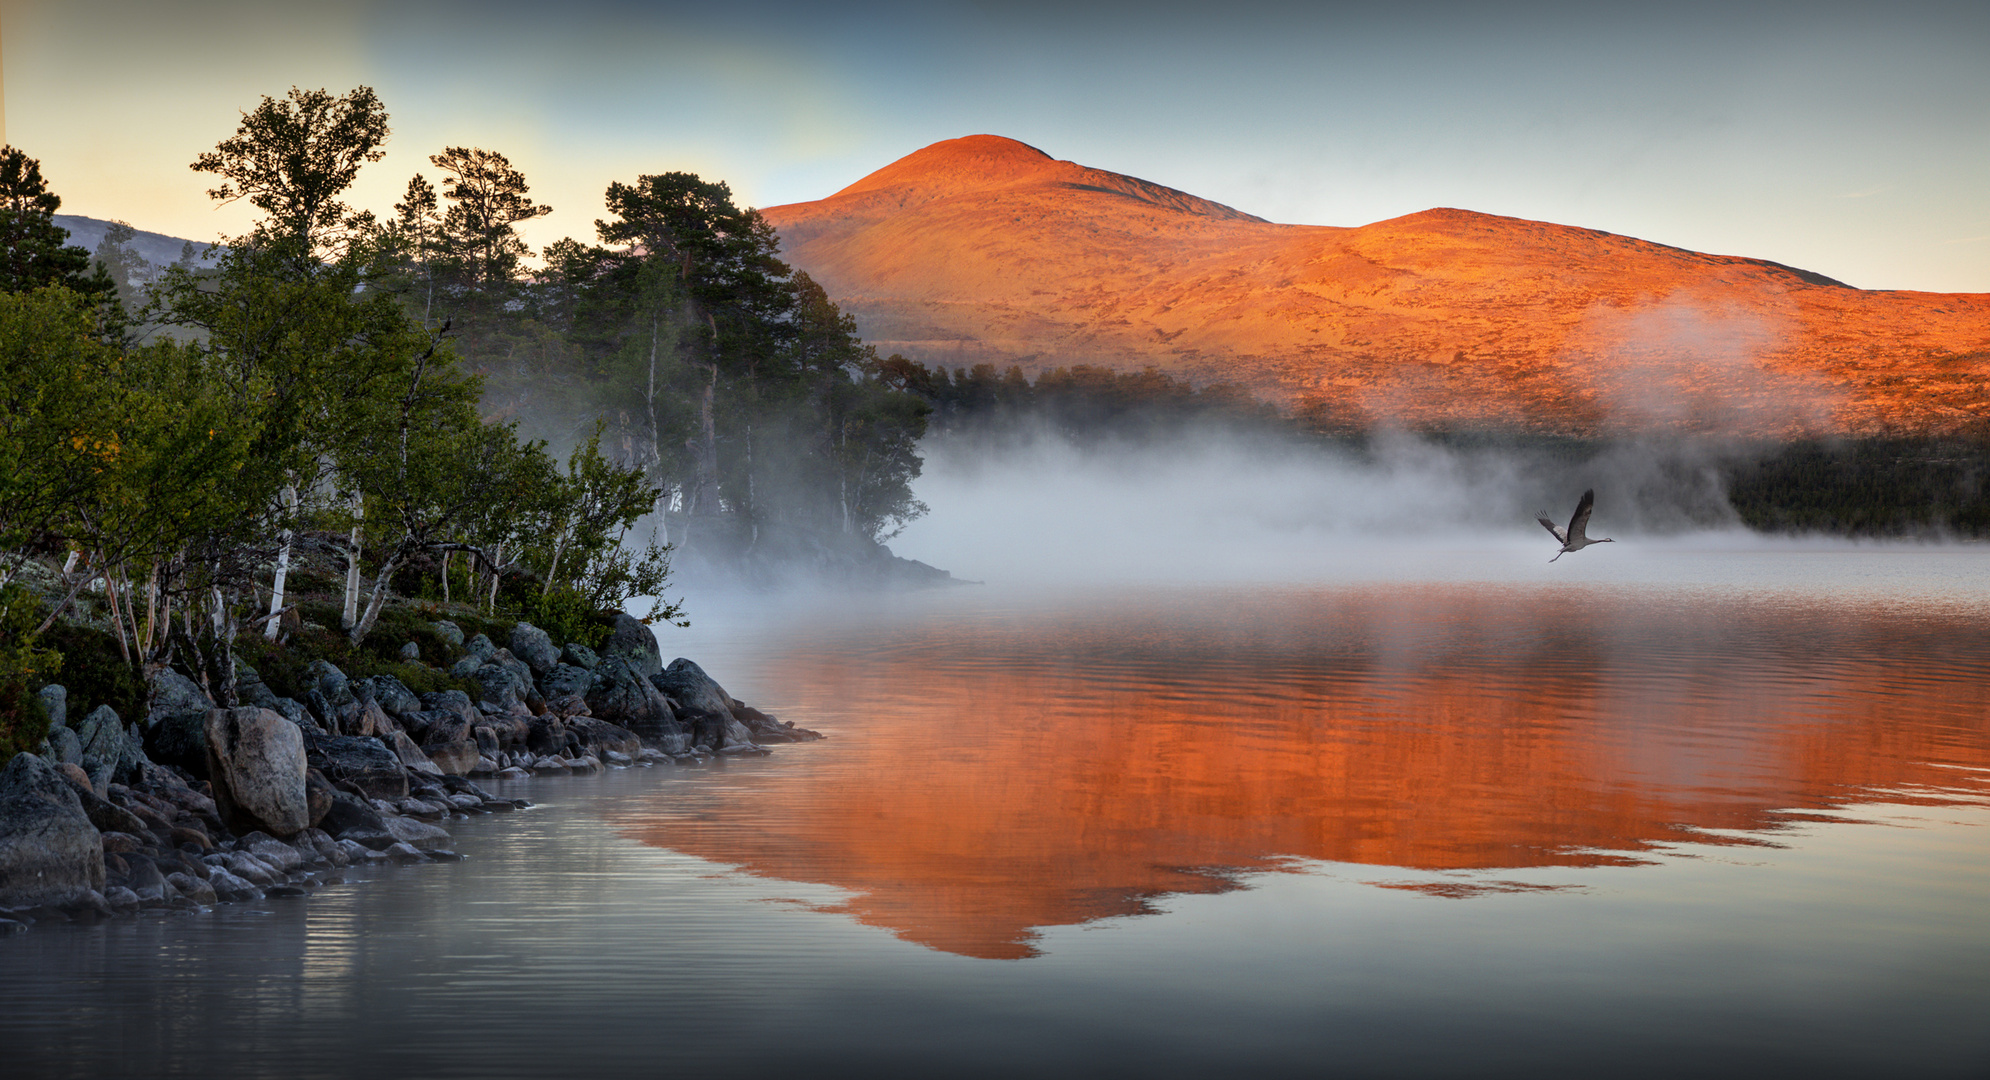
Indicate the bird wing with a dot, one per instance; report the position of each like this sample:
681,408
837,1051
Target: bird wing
1553,528
1580,521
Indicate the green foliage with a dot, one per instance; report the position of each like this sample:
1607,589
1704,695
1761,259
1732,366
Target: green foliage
34,250
292,158
25,667
1865,487
95,672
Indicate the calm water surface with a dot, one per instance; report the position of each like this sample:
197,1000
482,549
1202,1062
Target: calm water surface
1712,812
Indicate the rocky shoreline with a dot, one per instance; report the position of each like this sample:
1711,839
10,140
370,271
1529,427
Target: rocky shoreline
197,804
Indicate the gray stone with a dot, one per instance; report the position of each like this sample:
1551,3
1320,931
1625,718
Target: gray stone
229,887
249,868
404,853
450,633
250,689
634,642
198,890
121,899
256,763
292,710
65,746
565,689
392,695
411,755
147,882
603,737
168,692
102,734
706,704
480,647
280,856
500,688
462,668
410,652
621,695
327,679
356,852
419,834
366,763
49,851
535,647
55,702
580,655
179,739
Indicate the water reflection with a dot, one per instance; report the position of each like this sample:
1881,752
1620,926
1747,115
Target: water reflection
996,770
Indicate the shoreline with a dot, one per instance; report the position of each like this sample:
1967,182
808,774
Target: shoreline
197,805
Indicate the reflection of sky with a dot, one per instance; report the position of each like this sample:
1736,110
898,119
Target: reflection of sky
1847,141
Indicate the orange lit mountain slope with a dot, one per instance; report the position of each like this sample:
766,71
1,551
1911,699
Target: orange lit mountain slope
985,249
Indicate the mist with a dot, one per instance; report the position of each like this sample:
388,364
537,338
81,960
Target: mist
1215,506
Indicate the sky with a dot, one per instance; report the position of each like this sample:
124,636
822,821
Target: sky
1848,139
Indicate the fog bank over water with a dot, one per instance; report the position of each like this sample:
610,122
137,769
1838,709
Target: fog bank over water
1045,510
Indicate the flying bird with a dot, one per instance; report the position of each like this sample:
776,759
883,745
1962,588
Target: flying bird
1573,539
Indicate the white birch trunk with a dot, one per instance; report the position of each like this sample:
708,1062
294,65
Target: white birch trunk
271,629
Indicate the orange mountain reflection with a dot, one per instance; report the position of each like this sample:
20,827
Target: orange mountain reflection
992,774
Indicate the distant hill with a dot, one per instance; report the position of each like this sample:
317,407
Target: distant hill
984,249
156,248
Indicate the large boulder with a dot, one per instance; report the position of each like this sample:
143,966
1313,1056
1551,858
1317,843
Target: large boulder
565,689
450,634
365,763
49,852
390,693
632,641
705,704
622,695
256,762
101,734
500,688
412,758
64,748
167,692
353,818
581,656
480,648
535,647
251,690
600,736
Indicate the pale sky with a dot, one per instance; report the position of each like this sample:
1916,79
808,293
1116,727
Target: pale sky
1848,139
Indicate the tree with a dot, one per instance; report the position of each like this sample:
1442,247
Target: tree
487,201
292,159
34,250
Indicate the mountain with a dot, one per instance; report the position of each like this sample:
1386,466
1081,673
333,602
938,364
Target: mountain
984,249
155,248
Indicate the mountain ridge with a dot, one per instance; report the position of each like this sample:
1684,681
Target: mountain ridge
985,249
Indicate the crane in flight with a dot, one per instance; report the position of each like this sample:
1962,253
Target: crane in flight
1575,539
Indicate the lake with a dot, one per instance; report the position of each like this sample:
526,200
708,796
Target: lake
1713,808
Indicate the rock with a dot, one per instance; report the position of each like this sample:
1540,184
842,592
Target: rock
179,739
419,834
195,889
358,853
167,692
606,738
248,868
410,652
327,679
250,689
66,748
581,656
513,772
229,887
481,648
108,816
317,796
49,851
391,694
183,835
147,883
78,779
279,856
565,689
292,709
500,689
102,734
634,642
456,758
55,702
622,695
412,758
450,633
535,647
549,735
707,706
365,763
352,819
404,853
121,899
275,891
256,763
121,842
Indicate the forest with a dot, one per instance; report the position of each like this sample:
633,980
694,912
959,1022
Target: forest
389,406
